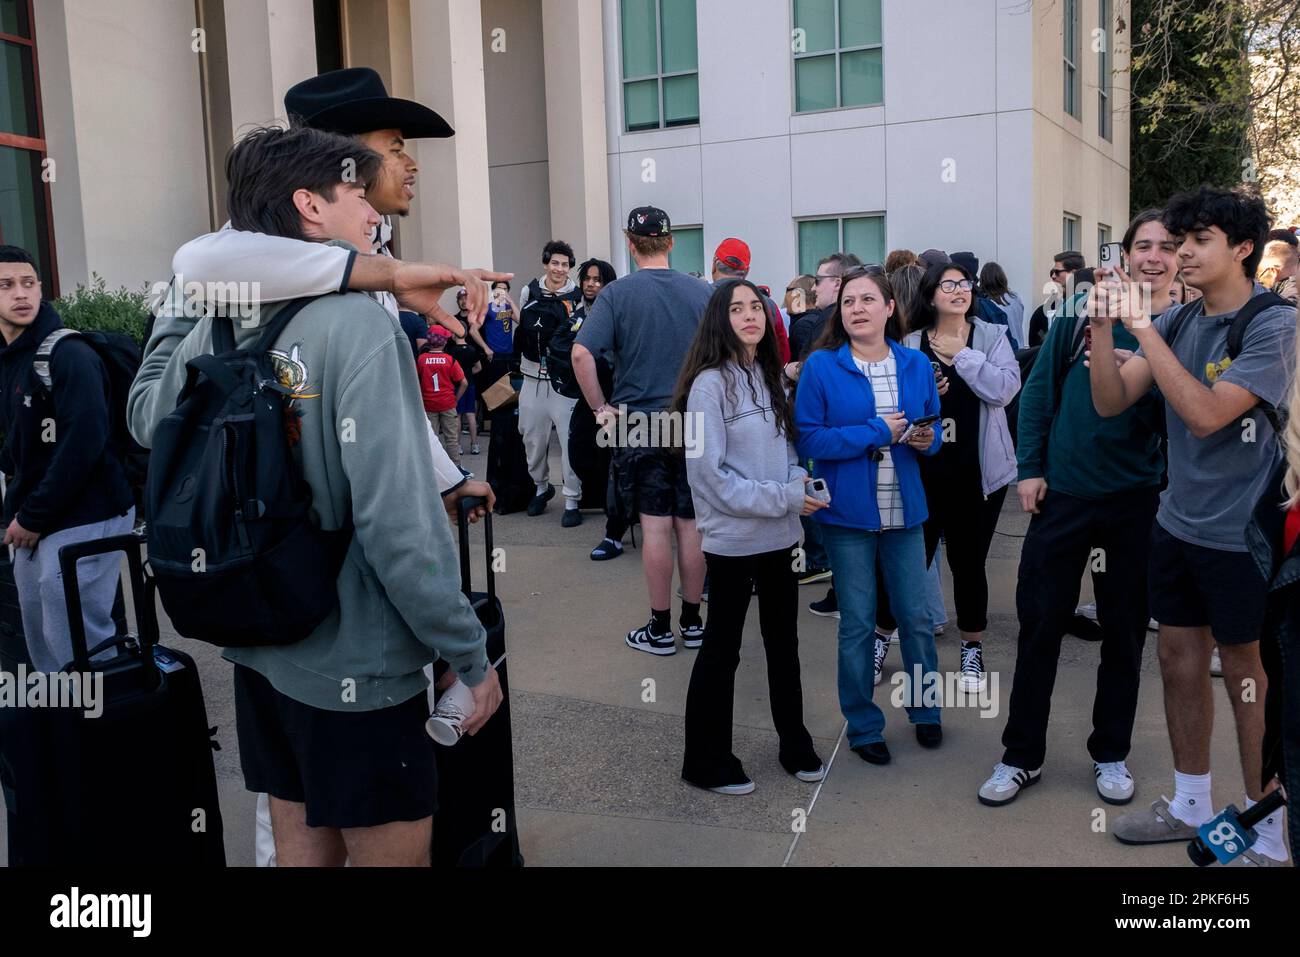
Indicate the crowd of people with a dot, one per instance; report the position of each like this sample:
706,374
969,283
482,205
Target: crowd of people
871,422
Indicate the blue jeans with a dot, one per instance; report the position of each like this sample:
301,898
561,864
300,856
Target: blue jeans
901,554
813,550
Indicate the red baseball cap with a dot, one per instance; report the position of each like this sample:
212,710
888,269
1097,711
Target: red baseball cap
733,253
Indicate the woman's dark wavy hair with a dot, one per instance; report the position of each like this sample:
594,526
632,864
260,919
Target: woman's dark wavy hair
833,334
716,344
1240,213
924,316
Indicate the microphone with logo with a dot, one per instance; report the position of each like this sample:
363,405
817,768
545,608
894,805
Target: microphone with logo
1229,834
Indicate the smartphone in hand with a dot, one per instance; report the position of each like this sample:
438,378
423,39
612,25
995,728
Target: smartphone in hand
916,425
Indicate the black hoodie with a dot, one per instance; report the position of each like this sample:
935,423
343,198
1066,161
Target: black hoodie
63,471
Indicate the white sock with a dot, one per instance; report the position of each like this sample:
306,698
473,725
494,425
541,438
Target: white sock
542,487
1269,841
570,505
1191,803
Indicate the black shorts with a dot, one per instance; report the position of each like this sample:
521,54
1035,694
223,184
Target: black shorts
652,481
350,768
1192,586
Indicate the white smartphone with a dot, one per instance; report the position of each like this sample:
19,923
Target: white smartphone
819,491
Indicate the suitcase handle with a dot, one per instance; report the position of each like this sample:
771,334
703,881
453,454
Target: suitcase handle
463,507
141,593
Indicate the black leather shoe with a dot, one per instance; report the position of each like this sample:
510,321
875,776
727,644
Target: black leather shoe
873,753
538,504
572,518
929,735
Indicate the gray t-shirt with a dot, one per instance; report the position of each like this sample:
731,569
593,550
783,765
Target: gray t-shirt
646,323
1215,482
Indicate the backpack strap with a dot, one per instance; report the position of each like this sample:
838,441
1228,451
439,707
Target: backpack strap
1180,319
1246,314
44,352
282,320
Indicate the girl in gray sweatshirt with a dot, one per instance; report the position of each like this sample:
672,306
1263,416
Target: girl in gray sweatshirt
749,491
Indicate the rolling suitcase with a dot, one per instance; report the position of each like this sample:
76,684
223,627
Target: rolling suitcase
507,468
475,825
135,784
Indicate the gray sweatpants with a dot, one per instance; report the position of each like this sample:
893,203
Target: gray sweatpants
541,408
40,591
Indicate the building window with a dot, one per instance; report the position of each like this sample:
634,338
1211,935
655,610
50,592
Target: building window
1104,124
1070,232
25,212
837,54
864,236
1071,57
1103,235
661,83
687,254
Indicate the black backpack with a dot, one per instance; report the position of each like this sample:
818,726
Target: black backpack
121,357
545,313
237,559
559,357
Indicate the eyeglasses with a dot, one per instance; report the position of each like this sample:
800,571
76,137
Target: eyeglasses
820,278
952,285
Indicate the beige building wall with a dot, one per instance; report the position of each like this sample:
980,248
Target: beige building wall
1076,170
120,88
272,46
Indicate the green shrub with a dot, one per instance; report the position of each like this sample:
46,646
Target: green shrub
107,310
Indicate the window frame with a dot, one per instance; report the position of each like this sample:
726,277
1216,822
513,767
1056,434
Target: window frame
1071,227
36,144
1105,108
658,77
837,51
839,221
1071,24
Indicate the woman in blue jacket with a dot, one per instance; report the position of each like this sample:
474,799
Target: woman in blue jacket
858,391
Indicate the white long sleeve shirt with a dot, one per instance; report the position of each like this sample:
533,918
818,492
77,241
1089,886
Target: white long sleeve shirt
273,269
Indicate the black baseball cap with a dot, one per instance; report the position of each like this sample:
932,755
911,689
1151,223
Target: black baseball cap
649,221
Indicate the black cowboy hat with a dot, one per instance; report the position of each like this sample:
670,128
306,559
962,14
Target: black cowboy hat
354,101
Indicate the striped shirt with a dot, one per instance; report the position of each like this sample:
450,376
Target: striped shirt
884,385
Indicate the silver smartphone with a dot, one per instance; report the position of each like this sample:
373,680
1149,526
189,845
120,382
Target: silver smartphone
819,491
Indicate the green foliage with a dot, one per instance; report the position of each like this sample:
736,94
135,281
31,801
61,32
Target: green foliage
107,310
1191,97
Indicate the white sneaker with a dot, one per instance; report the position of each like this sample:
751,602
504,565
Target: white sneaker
882,649
1006,783
446,723
747,787
811,776
1216,666
1114,783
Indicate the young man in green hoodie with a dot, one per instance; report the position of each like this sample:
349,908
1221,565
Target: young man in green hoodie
1092,485
332,727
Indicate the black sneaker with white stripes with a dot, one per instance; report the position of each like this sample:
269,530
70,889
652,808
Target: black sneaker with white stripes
692,635
648,640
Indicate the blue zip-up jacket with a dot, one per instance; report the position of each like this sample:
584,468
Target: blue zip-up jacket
835,413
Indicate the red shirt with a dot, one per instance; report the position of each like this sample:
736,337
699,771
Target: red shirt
1291,531
439,374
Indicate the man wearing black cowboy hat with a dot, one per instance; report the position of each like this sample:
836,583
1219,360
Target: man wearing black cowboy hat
354,102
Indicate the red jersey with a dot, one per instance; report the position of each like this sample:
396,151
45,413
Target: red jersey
439,375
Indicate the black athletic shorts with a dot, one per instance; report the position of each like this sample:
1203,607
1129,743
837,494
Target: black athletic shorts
351,768
652,481
1192,586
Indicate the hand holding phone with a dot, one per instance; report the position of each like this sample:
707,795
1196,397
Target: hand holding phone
924,422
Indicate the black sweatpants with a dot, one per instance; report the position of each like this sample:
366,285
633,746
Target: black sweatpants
965,520
1067,537
708,761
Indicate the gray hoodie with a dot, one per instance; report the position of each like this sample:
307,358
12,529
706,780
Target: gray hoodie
364,447
747,485
988,365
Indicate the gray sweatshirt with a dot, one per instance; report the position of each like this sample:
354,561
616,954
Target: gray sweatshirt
363,450
747,485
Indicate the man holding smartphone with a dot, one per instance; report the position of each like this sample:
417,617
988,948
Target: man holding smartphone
1092,485
1221,406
